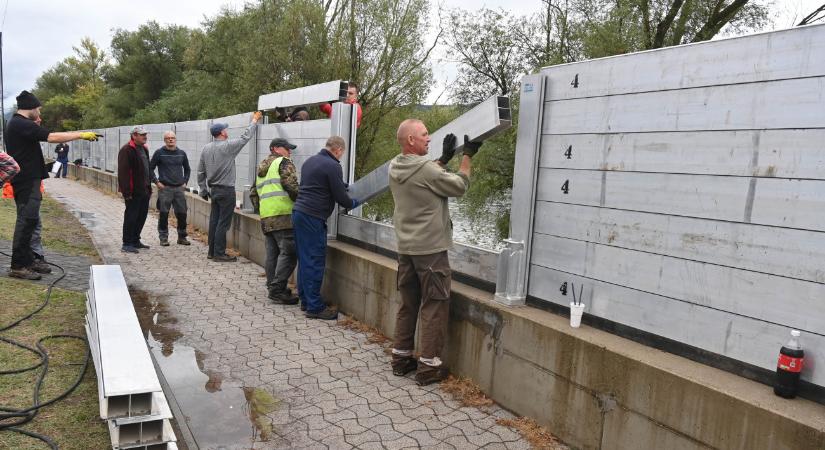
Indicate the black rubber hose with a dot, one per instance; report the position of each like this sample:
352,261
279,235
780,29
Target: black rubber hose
24,416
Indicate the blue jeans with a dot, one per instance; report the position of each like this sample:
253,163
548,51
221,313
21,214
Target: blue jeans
220,218
64,168
311,240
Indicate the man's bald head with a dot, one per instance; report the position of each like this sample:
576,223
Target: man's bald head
413,137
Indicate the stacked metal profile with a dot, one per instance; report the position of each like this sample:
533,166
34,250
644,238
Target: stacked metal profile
131,399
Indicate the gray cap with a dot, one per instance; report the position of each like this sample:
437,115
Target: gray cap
281,142
216,128
139,129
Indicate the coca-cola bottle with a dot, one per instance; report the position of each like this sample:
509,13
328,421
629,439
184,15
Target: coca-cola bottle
789,367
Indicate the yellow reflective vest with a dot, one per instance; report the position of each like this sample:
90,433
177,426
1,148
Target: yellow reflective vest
274,199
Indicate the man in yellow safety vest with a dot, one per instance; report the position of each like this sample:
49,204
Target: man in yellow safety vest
273,194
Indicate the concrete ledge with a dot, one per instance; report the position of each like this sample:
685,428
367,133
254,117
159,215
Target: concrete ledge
592,389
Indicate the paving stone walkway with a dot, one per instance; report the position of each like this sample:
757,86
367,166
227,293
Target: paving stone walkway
215,335
76,267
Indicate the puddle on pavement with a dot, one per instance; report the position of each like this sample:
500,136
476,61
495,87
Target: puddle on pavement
218,414
85,217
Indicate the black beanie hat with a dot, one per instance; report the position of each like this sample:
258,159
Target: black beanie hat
27,100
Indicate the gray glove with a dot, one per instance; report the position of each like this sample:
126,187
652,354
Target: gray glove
471,148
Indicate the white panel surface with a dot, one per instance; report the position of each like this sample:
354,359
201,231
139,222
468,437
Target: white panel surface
748,340
764,153
794,103
792,53
741,292
766,201
127,366
781,251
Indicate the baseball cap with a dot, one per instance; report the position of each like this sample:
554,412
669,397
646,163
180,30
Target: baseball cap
216,128
281,142
139,129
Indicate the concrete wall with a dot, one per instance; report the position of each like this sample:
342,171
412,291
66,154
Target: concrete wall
592,389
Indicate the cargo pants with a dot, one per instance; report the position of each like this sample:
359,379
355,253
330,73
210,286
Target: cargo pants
424,285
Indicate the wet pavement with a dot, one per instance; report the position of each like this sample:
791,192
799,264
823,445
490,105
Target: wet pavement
76,267
248,374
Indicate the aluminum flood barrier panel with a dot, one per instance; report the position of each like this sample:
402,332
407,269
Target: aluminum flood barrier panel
682,189
332,91
129,392
485,120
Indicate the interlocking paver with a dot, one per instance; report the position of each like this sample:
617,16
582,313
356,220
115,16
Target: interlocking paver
333,389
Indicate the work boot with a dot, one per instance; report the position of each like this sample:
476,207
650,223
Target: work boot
129,249
429,375
142,245
303,306
283,298
224,258
325,314
24,274
40,266
183,241
402,365
164,242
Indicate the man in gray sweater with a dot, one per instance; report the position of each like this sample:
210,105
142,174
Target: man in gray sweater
216,179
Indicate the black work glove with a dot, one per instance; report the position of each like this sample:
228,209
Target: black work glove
471,148
204,195
447,149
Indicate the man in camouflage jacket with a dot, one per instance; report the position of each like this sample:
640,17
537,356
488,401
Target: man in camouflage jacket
272,196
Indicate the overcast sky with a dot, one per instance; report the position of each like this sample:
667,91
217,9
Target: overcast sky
38,33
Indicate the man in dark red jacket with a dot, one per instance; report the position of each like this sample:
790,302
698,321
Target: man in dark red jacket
352,99
135,184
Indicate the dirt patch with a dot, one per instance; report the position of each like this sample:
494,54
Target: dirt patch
466,392
374,335
536,435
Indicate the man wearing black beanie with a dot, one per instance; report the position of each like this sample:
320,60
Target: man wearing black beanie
23,136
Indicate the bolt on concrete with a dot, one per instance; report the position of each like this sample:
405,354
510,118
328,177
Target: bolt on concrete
223,348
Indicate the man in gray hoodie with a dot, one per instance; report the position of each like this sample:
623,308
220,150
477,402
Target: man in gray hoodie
216,179
420,188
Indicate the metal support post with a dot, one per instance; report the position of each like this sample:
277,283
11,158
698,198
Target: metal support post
342,125
512,279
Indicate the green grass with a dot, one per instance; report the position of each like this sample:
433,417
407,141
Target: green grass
62,232
74,422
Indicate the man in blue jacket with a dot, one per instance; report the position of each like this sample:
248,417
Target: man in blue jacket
322,186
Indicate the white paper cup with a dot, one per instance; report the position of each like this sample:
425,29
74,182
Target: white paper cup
576,311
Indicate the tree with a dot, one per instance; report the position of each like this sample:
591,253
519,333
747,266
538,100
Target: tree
59,86
485,44
623,26
149,60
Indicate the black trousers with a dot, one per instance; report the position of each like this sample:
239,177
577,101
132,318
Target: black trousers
134,217
27,198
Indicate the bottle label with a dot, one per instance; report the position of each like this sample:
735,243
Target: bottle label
790,364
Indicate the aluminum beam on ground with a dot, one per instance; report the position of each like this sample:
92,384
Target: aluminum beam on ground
140,434
126,365
309,95
487,119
